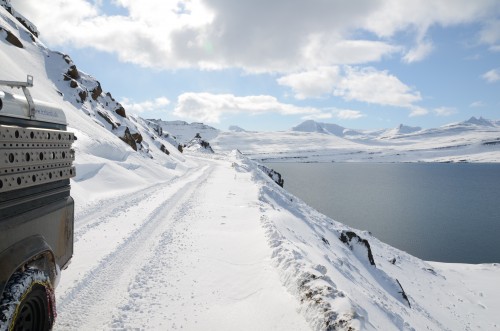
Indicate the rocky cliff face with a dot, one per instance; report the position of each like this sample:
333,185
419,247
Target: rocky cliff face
184,132
197,144
274,175
86,93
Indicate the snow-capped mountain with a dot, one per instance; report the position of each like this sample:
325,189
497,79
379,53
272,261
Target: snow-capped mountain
166,240
474,140
333,129
326,128
236,128
480,122
399,131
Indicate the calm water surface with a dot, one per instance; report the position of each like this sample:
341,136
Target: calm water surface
435,211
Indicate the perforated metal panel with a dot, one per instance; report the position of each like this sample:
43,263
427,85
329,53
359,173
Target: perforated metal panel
30,157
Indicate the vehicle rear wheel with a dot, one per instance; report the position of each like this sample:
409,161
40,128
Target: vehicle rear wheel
27,302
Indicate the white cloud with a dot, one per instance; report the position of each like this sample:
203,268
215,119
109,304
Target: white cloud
377,87
145,106
392,16
445,111
352,83
319,116
314,83
283,35
348,114
344,114
418,111
477,104
490,33
322,49
492,76
210,108
419,52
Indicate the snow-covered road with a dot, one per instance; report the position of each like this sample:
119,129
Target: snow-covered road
188,254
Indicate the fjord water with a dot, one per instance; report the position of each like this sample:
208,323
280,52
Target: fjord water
436,211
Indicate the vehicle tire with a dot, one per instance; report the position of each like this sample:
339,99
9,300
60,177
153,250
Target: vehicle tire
28,302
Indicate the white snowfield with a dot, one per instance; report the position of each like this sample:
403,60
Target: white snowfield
197,241
474,140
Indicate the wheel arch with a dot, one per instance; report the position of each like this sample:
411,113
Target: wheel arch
32,251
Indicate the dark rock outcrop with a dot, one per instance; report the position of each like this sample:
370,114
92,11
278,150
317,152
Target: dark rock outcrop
96,92
83,95
137,137
107,119
274,175
164,149
403,294
67,58
198,144
73,72
12,39
121,111
126,136
349,237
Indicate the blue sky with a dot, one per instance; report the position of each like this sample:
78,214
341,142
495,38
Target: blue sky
269,65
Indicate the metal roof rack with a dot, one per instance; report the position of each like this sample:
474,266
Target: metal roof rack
27,94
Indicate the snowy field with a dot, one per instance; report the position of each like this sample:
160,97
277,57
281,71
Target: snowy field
195,241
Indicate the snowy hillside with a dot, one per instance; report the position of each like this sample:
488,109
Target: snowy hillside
474,140
399,131
171,240
184,132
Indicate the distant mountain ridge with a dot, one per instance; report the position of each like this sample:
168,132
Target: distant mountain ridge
236,128
399,131
326,128
480,121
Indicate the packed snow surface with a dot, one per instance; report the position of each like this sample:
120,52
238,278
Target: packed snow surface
166,240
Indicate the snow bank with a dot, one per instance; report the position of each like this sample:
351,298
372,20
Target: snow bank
346,279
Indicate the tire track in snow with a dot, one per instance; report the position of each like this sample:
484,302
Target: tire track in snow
105,286
99,212
141,297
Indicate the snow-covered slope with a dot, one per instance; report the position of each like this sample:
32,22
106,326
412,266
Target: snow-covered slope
169,241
